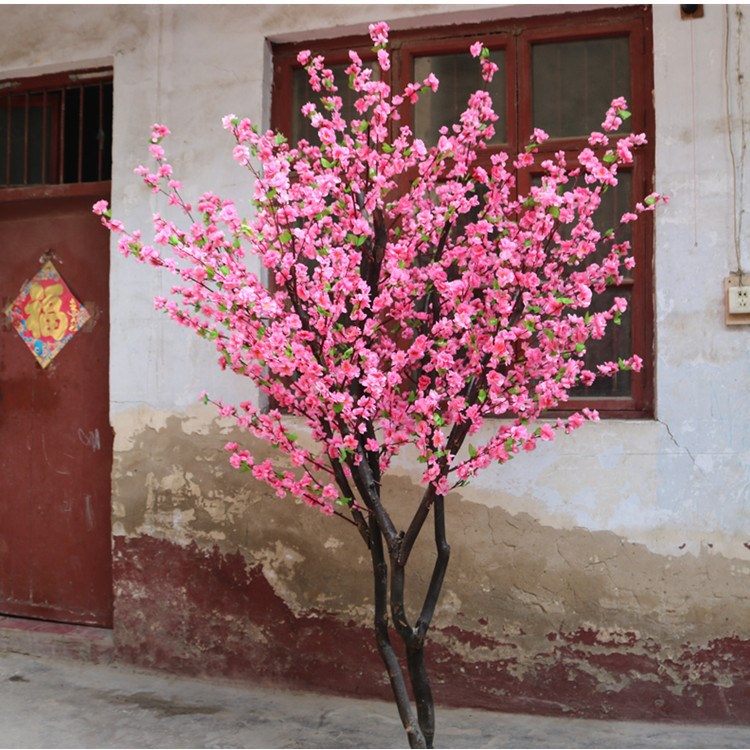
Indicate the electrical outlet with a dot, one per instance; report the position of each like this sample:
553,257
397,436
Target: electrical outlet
738,302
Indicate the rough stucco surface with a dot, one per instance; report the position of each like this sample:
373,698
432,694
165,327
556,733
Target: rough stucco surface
604,574
215,574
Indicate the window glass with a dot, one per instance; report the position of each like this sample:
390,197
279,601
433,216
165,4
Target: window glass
552,78
302,93
460,76
25,139
573,83
615,202
618,342
59,135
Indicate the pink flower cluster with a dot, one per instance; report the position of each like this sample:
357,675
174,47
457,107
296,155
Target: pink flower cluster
396,316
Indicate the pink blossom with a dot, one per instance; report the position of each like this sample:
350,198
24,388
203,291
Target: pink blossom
379,33
487,335
158,132
432,82
489,69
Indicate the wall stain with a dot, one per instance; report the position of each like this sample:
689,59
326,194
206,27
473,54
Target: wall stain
216,575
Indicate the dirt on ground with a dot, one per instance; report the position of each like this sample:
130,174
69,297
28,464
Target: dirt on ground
53,703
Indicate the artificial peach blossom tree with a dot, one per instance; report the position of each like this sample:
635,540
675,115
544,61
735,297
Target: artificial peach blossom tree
414,298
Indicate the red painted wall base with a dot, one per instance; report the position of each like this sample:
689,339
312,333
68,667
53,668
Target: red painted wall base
194,611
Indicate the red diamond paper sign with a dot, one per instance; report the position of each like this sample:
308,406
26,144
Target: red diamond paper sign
46,314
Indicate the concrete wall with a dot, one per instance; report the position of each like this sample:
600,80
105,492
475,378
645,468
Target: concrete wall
604,574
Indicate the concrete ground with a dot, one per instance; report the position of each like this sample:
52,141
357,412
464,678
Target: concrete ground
56,703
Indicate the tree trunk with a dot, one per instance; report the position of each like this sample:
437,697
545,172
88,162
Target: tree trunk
420,727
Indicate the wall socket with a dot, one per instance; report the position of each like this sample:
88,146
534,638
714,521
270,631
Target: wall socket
737,300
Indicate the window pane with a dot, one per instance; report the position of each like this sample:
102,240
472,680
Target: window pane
616,343
573,83
459,76
615,202
88,133
61,135
25,140
302,93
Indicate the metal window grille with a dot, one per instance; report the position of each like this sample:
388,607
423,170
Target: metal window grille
56,130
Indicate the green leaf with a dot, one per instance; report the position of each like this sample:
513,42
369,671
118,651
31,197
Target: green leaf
624,114
610,157
338,408
482,396
285,236
650,200
554,211
388,149
473,452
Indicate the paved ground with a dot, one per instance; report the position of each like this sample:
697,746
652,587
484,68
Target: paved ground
53,703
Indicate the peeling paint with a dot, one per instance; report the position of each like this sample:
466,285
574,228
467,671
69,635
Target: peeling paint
532,617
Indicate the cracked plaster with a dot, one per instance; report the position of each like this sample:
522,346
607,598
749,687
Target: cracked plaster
510,571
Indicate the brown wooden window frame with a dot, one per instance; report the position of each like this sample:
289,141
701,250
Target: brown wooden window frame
70,165
517,37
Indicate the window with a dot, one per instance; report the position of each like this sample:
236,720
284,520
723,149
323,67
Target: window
56,130
558,73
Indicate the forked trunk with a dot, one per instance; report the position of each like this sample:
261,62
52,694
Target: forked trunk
389,578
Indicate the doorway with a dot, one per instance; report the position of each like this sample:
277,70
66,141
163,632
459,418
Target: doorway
55,437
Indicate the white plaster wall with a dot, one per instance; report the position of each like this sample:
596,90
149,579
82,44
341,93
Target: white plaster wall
682,479
703,366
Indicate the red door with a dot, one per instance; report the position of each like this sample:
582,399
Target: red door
55,437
